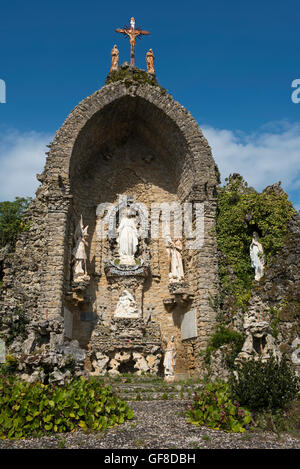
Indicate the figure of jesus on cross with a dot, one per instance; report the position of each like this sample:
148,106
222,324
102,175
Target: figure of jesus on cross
132,33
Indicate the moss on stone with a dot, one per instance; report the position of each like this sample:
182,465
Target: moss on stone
225,336
274,321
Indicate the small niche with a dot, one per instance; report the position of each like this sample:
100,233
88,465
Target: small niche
259,344
127,367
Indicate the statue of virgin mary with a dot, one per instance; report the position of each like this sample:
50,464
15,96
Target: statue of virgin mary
128,237
257,257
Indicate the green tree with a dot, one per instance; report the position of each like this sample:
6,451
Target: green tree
12,220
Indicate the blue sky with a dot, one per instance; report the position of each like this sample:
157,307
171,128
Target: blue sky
230,63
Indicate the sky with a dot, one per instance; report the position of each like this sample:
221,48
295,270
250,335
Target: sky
230,63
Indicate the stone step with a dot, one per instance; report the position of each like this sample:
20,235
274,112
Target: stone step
155,396
147,388
133,388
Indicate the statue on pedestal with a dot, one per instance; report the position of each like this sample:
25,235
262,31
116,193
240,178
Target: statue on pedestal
150,61
79,252
114,59
257,257
170,359
128,237
126,307
176,267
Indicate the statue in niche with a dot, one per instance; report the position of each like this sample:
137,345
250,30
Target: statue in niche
176,267
114,59
170,359
127,237
126,307
79,252
150,61
257,257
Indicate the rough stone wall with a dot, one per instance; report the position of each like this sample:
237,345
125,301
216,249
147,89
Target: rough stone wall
23,269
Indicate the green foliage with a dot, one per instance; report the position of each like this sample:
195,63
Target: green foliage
265,385
35,409
213,407
10,365
12,221
222,336
275,320
280,420
13,326
240,212
133,76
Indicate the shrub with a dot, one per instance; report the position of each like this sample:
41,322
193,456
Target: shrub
35,409
264,385
214,408
12,221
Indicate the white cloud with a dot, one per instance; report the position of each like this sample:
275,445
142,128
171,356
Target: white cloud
272,154
22,156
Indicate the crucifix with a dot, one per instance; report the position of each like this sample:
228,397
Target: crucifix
132,33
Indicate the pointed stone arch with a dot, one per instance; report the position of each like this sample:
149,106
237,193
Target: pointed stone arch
131,139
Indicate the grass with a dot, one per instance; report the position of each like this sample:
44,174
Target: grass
280,422
61,442
195,445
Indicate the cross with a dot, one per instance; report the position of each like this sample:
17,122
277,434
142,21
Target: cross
132,33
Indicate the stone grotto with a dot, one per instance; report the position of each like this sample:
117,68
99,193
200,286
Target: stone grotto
119,266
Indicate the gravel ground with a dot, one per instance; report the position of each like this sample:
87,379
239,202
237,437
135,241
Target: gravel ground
157,425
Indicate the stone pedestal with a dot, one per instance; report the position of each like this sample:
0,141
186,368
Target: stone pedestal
181,294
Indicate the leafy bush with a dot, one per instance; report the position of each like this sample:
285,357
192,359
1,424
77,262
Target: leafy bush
214,408
12,220
222,336
264,385
35,409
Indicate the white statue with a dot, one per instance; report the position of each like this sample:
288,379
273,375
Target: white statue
79,253
128,237
257,257
176,268
170,359
126,307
